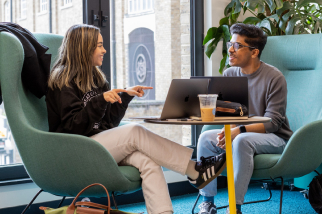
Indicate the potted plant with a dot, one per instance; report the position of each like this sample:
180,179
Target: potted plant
275,17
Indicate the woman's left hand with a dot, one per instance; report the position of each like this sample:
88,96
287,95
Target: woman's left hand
137,90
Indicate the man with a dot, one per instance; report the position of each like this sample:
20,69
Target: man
267,97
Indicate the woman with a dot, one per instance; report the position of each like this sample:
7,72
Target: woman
79,101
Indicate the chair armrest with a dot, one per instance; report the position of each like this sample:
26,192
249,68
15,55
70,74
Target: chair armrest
302,153
210,127
61,162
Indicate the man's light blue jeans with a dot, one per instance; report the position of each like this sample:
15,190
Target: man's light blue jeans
245,146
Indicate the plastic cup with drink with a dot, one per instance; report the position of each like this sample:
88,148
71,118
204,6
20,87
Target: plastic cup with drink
207,105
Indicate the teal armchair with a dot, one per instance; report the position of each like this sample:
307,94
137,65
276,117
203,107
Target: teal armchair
61,164
298,57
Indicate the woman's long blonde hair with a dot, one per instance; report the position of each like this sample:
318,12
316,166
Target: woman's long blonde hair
75,60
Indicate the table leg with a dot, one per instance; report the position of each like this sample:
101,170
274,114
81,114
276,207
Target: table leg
230,171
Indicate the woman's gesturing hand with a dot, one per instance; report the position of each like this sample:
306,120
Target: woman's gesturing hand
112,96
137,90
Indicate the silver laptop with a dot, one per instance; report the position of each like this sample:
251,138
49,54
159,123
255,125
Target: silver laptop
182,99
233,89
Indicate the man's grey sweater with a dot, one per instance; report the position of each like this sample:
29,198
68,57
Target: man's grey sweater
267,92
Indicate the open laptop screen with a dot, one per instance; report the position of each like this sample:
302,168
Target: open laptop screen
233,89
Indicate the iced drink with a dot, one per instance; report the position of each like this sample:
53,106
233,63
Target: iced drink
207,104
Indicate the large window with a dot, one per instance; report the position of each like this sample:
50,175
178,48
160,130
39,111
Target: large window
61,20
23,9
151,49
7,12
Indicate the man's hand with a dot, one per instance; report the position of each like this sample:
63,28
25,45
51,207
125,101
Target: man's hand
112,95
221,137
137,90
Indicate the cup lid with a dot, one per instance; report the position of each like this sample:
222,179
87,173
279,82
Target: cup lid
207,95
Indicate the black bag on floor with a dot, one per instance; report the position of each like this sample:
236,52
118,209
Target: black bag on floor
315,193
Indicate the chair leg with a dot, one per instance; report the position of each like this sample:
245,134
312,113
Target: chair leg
253,202
113,197
250,202
281,199
194,206
61,202
32,201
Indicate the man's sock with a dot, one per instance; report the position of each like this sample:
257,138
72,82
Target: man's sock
238,206
208,199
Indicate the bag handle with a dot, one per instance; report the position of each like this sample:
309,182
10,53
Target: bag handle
91,204
71,208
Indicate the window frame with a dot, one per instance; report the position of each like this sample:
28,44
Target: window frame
197,56
16,173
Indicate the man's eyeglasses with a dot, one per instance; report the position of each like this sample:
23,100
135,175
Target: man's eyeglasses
236,46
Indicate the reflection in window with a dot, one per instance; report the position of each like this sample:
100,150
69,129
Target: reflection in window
139,6
43,5
7,14
23,9
67,2
152,54
8,151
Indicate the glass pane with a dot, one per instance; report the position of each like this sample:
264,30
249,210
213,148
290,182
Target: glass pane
144,5
151,49
62,19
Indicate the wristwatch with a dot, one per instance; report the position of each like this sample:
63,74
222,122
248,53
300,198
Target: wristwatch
242,129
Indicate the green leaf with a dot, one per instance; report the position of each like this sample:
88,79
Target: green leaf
223,63
210,50
279,4
286,6
275,17
312,8
284,20
271,4
252,20
302,3
226,34
234,17
265,24
234,6
229,8
220,34
261,8
238,6
210,35
261,16
259,4
224,21
244,9
290,26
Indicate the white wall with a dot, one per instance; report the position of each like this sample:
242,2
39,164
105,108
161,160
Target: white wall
214,11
